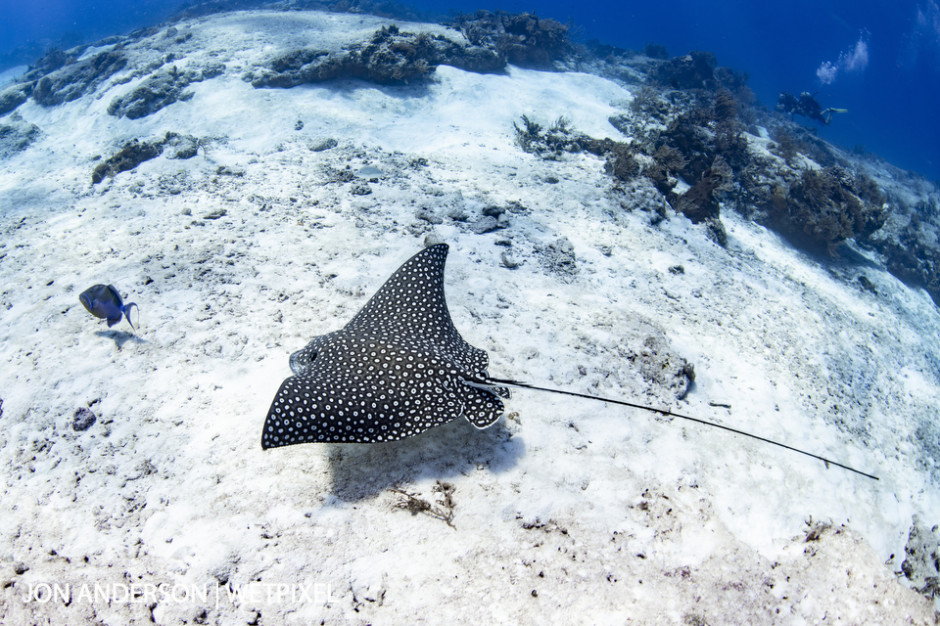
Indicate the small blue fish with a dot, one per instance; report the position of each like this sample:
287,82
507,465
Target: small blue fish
104,301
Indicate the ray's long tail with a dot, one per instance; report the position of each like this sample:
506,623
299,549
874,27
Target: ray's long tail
828,462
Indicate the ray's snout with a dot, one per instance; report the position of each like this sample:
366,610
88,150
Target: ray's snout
301,360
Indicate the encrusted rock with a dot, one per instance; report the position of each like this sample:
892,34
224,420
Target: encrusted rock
508,260
160,90
921,565
16,135
521,39
558,257
388,57
181,146
13,96
827,207
322,145
660,367
428,216
74,79
127,158
83,419
696,70
136,152
485,224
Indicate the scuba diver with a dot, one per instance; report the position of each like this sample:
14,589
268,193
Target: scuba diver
807,106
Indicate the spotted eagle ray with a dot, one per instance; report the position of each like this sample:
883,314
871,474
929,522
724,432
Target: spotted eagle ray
400,367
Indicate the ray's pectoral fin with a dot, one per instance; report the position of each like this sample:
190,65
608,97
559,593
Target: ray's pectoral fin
319,408
290,418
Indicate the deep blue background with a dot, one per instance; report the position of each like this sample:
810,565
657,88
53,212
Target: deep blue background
893,102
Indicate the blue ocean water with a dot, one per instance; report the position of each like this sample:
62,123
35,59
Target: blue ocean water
879,60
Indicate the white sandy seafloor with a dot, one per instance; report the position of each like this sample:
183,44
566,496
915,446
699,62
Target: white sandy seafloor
167,507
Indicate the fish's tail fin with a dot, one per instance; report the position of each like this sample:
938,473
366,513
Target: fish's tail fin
127,313
828,462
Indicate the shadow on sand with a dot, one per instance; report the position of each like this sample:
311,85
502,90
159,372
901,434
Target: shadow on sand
363,470
120,337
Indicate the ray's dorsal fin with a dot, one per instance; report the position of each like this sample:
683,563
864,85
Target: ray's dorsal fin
411,307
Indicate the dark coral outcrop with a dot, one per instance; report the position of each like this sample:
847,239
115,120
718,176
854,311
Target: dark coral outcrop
824,208
695,70
388,57
521,39
13,96
73,79
395,57
161,89
127,158
16,135
135,152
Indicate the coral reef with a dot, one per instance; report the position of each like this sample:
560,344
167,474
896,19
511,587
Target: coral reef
792,141
913,255
704,144
708,130
811,195
59,77
700,138
550,143
389,57
666,165
393,57
695,70
620,161
520,39
700,202
825,208
561,138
